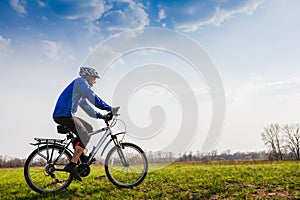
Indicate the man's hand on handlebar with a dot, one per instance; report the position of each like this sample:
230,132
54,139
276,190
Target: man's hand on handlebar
109,116
115,110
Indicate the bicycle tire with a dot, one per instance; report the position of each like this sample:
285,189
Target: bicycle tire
126,176
38,167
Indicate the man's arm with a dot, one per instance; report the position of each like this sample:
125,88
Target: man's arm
86,91
89,110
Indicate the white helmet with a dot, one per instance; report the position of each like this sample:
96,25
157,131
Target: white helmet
88,71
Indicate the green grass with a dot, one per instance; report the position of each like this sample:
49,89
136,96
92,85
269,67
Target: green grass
178,181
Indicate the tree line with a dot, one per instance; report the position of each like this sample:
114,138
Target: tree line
9,162
282,141
165,157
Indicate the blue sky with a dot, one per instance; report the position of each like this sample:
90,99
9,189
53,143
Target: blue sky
254,44
74,22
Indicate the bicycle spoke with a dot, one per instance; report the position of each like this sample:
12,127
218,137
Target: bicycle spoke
42,156
37,175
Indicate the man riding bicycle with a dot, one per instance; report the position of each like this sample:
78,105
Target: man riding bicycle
79,93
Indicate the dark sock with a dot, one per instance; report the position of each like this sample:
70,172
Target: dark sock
72,164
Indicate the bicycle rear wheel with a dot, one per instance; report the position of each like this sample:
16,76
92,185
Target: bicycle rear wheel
43,169
126,166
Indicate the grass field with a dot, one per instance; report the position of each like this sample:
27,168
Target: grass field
280,180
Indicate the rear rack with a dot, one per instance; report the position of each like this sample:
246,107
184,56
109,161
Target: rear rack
47,141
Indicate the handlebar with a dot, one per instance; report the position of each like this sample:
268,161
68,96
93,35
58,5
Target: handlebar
109,116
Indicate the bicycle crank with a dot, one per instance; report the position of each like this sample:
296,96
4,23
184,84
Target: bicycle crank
84,170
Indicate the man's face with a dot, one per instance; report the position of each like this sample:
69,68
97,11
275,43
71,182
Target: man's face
91,80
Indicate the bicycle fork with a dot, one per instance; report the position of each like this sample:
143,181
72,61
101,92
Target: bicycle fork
119,150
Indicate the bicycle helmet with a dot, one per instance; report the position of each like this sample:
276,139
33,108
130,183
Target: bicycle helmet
88,71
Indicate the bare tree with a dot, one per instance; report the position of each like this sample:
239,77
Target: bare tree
272,139
292,133
213,154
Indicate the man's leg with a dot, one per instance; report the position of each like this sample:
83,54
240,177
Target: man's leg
80,128
77,153
83,129
77,127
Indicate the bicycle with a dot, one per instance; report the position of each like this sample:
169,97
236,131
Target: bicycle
125,164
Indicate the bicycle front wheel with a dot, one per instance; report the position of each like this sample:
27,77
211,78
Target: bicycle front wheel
126,166
43,169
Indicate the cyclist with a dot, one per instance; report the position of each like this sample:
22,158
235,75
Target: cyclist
79,93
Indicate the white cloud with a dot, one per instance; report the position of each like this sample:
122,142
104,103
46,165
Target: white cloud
103,15
276,92
161,14
44,19
220,15
97,11
282,84
18,6
91,11
52,50
88,10
4,43
41,4
131,16
93,27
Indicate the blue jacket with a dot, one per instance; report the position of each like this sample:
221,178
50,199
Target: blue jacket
76,94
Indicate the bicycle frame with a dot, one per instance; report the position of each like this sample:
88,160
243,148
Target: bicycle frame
68,141
106,134
101,141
